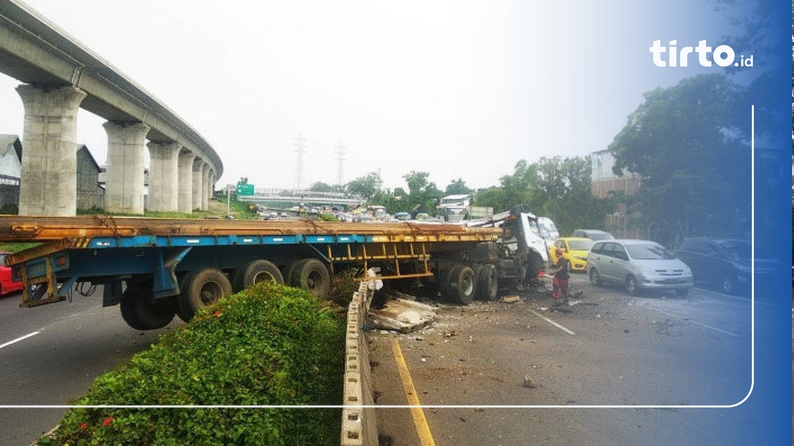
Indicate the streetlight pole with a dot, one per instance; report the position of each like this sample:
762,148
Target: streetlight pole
228,200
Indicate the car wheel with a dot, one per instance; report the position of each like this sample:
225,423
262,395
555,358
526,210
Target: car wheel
595,279
631,286
727,285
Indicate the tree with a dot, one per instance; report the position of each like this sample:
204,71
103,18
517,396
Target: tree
562,188
556,187
689,145
421,191
457,187
321,187
367,186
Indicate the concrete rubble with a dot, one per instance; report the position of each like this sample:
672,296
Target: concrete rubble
401,315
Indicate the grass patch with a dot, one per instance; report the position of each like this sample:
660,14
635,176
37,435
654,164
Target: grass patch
267,345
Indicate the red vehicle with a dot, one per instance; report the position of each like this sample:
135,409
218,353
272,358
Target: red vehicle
7,285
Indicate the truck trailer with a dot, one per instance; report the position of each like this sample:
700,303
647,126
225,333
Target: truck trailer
156,269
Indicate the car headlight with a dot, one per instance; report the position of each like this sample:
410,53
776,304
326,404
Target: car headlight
582,258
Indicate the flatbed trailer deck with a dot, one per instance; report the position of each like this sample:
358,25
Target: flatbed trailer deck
156,268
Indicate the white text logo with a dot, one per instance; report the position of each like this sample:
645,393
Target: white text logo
706,56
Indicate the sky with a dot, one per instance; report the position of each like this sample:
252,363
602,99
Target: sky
461,89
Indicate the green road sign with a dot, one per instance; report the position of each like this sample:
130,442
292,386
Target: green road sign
245,189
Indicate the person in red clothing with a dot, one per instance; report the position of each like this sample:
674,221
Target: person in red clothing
560,280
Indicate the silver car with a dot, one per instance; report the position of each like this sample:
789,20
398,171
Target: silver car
638,265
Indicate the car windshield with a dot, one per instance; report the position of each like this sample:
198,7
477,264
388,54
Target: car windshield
737,249
599,236
649,252
580,245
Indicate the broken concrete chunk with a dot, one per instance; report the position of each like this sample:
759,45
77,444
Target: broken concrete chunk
511,299
402,315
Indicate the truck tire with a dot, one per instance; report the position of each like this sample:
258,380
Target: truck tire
535,265
288,270
255,272
460,285
141,311
487,283
313,276
201,289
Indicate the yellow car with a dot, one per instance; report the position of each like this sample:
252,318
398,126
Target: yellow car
575,249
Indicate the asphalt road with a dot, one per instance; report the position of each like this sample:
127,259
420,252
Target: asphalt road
609,369
49,356
607,349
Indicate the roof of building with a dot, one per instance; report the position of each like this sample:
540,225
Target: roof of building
9,142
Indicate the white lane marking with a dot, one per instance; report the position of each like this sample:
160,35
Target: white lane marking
20,339
552,322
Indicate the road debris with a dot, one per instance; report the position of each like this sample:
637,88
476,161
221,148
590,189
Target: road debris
402,315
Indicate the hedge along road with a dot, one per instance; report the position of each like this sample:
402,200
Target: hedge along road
75,343
529,373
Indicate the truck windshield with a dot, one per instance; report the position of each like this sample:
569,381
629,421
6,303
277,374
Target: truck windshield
534,227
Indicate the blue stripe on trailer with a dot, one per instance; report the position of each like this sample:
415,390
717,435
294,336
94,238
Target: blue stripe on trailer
141,241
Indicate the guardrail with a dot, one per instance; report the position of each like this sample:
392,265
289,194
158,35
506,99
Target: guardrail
359,427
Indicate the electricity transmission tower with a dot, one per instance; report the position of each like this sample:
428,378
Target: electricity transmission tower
300,143
340,158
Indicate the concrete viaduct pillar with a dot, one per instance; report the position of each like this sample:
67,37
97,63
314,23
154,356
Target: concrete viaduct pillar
124,180
186,181
48,177
163,177
198,183
211,191
205,181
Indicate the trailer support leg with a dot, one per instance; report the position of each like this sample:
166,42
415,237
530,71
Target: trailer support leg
165,283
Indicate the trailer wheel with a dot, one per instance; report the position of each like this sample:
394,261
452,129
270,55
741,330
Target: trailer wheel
200,289
487,283
312,276
141,311
255,272
289,270
460,285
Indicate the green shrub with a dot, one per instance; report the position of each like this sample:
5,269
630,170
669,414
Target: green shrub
268,345
343,284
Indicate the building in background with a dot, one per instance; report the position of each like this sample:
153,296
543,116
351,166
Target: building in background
90,193
604,183
10,166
